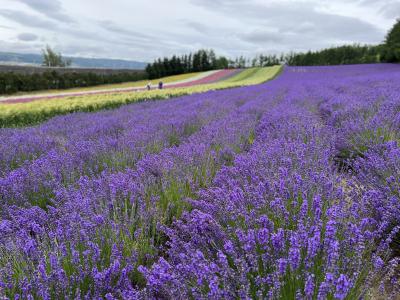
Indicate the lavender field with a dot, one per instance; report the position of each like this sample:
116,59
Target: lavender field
284,190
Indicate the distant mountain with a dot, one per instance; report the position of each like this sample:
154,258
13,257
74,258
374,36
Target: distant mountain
77,62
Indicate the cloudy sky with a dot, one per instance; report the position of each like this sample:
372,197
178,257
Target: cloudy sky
144,29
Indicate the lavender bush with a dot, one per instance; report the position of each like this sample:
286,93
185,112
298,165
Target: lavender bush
285,190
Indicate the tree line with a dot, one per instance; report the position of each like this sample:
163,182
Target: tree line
342,55
11,82
204,60
348,54
389,51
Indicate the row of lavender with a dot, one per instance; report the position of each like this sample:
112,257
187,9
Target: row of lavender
83,196
311,211
284,190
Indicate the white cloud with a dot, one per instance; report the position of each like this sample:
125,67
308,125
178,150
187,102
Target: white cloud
144,30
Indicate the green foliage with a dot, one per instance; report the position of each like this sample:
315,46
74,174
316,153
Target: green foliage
350,54
52,59
11,82
202,60
239,62
266,60
391,49
342,55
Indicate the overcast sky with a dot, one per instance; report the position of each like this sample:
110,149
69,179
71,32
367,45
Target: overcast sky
144,29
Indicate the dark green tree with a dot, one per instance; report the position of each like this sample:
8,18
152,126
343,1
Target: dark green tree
196,64
391,49
222,63
204,61
212,59
190,63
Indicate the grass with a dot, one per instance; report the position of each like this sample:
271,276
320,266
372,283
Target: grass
31,113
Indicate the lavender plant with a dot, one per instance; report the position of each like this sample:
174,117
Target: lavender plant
221,195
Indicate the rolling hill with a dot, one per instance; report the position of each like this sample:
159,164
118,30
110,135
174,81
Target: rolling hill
9,58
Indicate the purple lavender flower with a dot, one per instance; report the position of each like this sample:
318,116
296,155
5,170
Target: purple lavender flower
342,287
287,189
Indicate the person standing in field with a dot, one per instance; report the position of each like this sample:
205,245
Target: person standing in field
148,86
160,85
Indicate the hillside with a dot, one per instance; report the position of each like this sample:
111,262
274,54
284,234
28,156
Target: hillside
7,58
